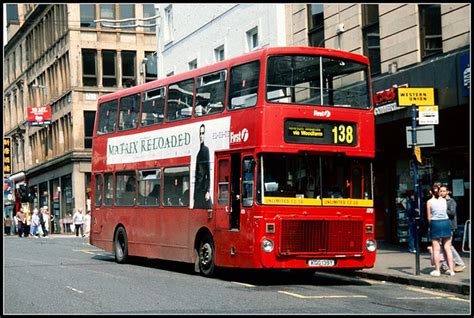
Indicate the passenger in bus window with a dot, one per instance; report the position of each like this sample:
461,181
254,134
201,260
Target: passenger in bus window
202,196
154,195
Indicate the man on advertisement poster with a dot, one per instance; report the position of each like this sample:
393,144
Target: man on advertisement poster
202,195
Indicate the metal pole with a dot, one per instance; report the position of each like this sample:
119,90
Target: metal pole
416,189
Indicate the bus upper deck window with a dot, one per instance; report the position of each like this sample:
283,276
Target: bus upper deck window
244,85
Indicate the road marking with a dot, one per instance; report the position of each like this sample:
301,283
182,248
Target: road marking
243,284
419,298
321,297
373,282
76,290
437,295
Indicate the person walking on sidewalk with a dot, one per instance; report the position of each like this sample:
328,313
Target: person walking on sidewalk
20,215
78,220
411,215
440,229
451,211
8,224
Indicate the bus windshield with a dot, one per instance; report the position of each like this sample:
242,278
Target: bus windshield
317,80
314,177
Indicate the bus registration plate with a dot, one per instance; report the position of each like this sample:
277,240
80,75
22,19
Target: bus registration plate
321,262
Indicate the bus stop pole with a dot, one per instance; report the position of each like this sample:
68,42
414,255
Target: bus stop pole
416,189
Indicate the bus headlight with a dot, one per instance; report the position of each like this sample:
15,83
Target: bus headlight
370,245
267,245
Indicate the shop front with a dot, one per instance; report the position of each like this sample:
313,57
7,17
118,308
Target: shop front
446,162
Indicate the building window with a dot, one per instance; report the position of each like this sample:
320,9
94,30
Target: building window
20,57
219,53
87,15
252,39
430,30
108,69
168,27
151,68
12,14
89,73
107,11
127,11
316,25
149,11
193,64
129,78
89,118
371,35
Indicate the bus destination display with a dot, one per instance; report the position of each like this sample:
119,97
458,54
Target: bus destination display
321,133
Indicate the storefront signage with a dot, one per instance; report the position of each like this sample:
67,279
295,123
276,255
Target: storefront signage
7,155
386,101
465,68
321,133
387,96
428,115
416,96
39,115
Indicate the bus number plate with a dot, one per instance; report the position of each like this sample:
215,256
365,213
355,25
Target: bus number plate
321,262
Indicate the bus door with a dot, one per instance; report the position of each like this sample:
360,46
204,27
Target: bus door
222,191
227,194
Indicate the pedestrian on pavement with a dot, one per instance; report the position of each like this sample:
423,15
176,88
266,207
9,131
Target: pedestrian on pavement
28,224
440,229
8,224
87,224
45,224
451,211
15,224
78,220
411,215
20,215
35,223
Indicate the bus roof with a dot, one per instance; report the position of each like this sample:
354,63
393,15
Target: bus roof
247,57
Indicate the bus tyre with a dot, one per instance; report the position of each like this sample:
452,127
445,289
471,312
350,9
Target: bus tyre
206,254
121,245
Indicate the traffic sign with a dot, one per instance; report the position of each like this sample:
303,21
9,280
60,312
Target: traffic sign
425,136
409,96
428,115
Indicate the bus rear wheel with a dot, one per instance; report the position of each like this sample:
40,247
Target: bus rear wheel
121,245
206,254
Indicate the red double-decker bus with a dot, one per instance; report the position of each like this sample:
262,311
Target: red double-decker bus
259,161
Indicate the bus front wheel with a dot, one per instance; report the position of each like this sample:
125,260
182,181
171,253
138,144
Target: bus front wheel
206,254
121,245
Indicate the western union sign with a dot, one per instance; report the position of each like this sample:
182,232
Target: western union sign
408,96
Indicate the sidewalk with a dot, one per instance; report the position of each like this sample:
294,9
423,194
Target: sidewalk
395,264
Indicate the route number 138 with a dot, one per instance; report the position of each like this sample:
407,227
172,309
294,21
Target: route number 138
343,134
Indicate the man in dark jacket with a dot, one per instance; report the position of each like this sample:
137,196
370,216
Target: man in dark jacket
202,196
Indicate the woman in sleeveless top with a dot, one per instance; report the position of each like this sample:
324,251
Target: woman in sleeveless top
440,230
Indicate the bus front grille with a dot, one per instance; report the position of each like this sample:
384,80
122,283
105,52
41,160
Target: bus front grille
320,237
